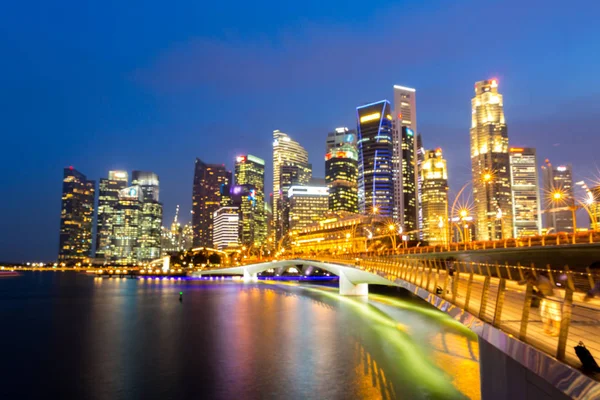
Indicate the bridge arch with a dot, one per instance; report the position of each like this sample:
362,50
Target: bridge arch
353,281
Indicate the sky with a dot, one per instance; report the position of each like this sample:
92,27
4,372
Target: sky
151,86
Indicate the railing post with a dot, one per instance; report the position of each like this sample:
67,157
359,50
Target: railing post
498,270
508,271
525,314
590,277
520,271
550,275
446,277
455,284
499,302
437,275
565,321
478,267
487,266
428,273
484,297
468,296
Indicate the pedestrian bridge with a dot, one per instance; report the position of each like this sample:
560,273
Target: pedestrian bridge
521,350
353,281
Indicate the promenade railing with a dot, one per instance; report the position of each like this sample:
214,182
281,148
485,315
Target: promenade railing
506,296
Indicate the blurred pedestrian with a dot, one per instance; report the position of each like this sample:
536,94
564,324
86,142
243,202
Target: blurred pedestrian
549,308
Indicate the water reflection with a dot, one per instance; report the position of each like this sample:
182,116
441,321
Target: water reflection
128,338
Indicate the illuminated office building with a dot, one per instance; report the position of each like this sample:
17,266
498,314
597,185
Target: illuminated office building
206,199
171,237
375,150
558,217
285,152
308,205
76,217
434,178
405,159
490,163
226,232
126,226
250,174
149,233
290,175
420,160
108,198
341,170
527,216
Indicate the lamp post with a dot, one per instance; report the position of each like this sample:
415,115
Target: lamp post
464,214
392,233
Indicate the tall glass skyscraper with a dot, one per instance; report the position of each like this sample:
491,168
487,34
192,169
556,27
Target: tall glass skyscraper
341,170
126,227
558,217
250,173
76,216
406,153
308,205
527,216
375,150
490,163
286,152
108,199
434,178
206,199
148,246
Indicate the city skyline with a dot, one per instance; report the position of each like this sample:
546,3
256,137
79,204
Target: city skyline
305,113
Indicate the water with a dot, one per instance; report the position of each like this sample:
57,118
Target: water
69,335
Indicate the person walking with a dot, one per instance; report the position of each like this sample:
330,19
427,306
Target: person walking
549,308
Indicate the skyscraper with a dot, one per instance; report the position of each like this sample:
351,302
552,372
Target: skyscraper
405,159
250,173
76,216
375,149
149,233
558,180
285,152
341,170
434,178
206,199
408,207
308,205
527,216
126,226
108,198
290,175
490,163
420,161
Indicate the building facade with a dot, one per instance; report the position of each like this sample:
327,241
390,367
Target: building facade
375,151
526,211
286,151
226,232
250,174
76,217
149,231
490,163
405,159
341,170
559,179
124,248
308,205
206,199
108,199
434,178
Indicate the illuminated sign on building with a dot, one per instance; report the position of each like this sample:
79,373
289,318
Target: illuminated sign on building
370,117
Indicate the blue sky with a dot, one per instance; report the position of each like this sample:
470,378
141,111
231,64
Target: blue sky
150,86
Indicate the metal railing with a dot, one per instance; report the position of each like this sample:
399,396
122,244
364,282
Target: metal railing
505,297
560,239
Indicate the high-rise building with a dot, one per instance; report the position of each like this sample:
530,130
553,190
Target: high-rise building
405,159
171,237
308,204
434,178
408,207
206,199
375,150
420,161
286,151
76,216
250,173
341,170
527,216
559,195
490,163
226,222
149,233
290,175
108,198
126,226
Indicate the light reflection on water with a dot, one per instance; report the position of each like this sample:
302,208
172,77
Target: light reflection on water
127,338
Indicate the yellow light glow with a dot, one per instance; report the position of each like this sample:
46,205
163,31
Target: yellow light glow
463,213
391,227
370,117
389,117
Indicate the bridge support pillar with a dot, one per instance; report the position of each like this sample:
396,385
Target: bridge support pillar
348,288
249,277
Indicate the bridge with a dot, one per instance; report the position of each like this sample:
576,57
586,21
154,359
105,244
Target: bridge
522,348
